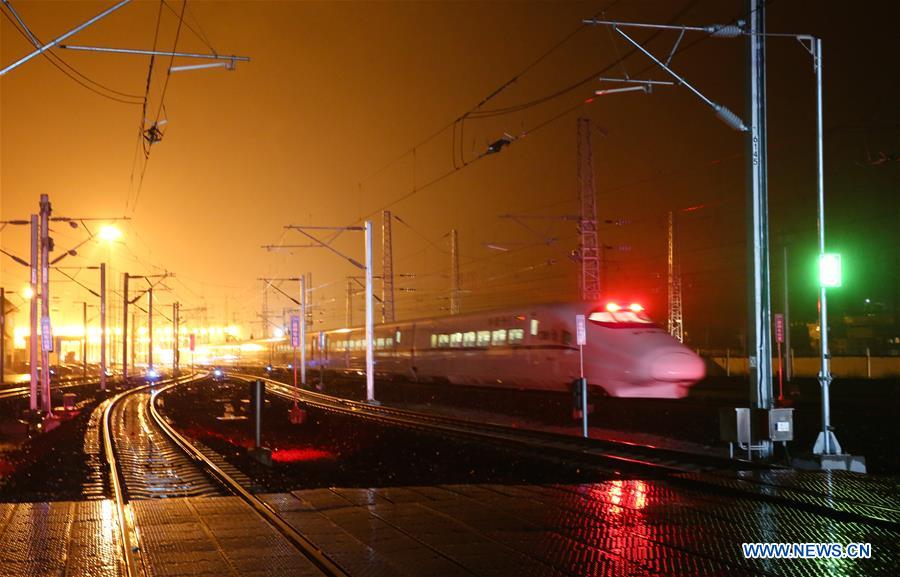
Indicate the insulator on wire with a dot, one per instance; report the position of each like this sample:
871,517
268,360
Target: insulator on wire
725,31
730,118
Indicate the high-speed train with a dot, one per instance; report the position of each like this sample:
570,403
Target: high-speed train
528,347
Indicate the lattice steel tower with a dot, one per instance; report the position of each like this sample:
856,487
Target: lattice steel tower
589,253
387,269
676,321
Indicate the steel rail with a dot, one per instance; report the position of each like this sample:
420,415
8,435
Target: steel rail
623,453
576,446
125,522
316,555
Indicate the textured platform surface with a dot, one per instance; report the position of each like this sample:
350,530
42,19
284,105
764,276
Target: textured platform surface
624,527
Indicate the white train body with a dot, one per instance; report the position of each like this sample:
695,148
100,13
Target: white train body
531,347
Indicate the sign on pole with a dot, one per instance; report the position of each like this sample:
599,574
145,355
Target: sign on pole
779,328
295,331
193,341
580,330
46,335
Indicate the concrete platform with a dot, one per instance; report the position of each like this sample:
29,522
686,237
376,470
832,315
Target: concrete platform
624,527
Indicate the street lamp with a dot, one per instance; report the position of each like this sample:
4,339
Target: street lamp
109,233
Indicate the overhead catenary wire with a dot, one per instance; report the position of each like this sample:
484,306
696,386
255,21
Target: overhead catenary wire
58,62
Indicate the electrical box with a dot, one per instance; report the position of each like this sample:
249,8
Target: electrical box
781,424
748,426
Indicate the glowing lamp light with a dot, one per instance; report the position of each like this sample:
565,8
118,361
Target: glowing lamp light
28,292
613,307
109,233
635,308
830,270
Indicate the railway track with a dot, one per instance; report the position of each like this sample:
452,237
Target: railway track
148,459
568,448
703,472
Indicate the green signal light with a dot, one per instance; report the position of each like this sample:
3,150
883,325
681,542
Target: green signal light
830,270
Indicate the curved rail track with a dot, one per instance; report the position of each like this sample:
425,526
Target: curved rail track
148,459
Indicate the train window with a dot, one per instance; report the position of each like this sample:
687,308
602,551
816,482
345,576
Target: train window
469,339
389,342
434,341
484,338
379,343
397,337
566,338
443,341
516,336
456,340
498,337
534,327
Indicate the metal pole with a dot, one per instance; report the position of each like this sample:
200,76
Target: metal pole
53,43
150,327
760,321
258,405
582,382
787,321
84,339
102,326
2,333
370,329
826,443
46,339
125,328
302,332
175,339
33,340
454,272
349,302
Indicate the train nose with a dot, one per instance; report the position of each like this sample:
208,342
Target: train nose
678,367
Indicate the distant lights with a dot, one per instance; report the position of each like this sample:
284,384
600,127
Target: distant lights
28,292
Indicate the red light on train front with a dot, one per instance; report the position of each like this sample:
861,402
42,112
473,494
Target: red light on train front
613,307
635,308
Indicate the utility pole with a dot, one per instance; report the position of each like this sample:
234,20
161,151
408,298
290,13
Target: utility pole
84,340
150,326
454,272
760,317
787,320
102,326
349,302
175,339
387,269
589,255
265,334
676,321
2,333
370,327
46,331
33,340
133,338
125,328
303,289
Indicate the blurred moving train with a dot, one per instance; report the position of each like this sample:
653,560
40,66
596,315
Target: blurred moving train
532,347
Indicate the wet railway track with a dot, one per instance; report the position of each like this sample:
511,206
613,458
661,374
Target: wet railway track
728,478
148,459
571,449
